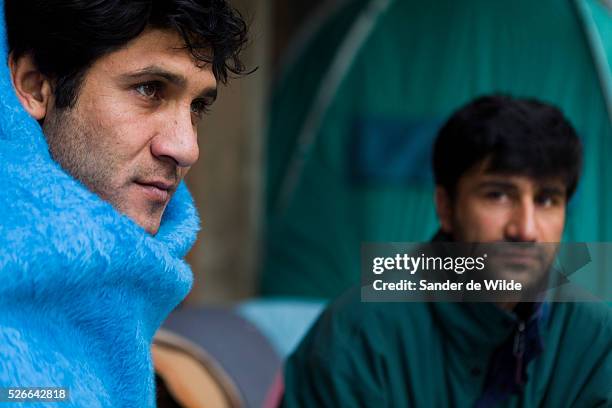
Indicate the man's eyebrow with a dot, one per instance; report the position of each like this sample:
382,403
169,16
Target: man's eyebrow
210,93
552,190
499,184
548,189
175,79
156,71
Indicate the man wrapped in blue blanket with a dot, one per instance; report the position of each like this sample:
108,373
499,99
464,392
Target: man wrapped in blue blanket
100,103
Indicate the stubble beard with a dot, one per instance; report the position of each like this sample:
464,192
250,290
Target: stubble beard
71,144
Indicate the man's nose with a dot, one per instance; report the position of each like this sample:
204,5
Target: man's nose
522,226
177,140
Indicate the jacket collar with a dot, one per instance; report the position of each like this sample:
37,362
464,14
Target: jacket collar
478,326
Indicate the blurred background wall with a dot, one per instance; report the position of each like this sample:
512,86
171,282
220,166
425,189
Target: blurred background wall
228,179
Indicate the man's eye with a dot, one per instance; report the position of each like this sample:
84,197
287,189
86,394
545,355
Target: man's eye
548,201
149,90
495,195
200,107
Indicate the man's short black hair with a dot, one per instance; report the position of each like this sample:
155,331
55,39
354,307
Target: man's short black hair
516,136
66,37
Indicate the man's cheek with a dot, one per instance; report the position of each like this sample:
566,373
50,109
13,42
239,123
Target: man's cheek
486,226
553,226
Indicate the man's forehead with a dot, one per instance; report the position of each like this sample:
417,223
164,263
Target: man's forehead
156,39
520,181
165,49
483,174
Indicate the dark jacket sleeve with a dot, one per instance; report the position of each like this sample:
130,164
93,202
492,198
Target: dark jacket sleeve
335,366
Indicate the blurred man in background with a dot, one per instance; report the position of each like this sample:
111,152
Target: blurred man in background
100,109
505,170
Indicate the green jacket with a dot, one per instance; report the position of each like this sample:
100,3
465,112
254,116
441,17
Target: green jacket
441,355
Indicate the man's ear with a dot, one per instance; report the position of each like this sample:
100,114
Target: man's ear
32,87
444,208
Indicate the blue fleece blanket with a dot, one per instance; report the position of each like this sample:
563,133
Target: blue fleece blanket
82,287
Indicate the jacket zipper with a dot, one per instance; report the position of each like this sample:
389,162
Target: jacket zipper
519,352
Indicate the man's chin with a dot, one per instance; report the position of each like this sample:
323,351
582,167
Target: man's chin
144,214
145,209
149,224
530,274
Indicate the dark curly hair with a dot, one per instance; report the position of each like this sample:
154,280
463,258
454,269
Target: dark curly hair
65,37
516,136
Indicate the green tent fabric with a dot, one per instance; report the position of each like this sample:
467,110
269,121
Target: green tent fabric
354,117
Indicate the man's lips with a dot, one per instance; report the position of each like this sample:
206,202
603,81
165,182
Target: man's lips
161,184
157,190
